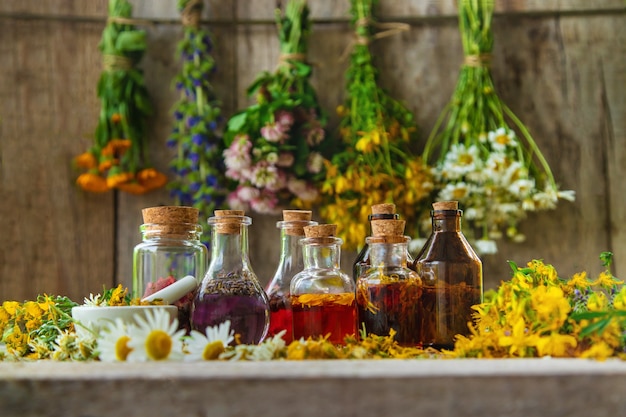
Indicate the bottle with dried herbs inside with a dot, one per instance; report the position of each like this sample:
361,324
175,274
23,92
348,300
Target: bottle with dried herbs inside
452,278
230,289
388,293
170,250
384,211
323,296
291,262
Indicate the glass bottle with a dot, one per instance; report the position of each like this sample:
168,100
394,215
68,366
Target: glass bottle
452,278
230,289
322,296
389,293
170,250
290,263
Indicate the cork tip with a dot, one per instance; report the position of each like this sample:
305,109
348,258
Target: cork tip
320,230
170,215
220,213
388,227
297,215
384,208
446,205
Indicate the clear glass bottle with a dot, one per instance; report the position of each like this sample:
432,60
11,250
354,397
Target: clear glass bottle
452,278
389,293
230,289
170,250
290,263
323,296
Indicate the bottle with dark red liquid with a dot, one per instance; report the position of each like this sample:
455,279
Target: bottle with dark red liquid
290,263
323,296
452,278
230,289
389,293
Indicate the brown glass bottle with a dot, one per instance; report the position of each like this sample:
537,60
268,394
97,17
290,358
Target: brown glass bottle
452,278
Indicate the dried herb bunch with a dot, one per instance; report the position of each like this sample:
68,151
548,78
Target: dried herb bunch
275,146
118,158
198,168
483,154
378,160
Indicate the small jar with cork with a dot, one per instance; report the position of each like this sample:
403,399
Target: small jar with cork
230,290
322,295
388,292
452,278
170,251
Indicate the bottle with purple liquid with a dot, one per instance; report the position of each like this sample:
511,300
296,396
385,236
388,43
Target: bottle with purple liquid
230,289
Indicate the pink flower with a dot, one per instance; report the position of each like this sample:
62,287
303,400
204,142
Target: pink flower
235,202
285,159
237,157
303,190
315,136
284,118
267,203
273,132
263,175
247,193
315,162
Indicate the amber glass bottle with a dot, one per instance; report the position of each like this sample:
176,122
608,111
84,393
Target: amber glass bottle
452,278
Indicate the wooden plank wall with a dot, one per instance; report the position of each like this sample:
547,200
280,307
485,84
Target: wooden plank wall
560,66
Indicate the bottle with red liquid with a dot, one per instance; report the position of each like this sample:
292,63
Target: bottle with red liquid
389,293
452,278
170,250
323,296
290,263
230,289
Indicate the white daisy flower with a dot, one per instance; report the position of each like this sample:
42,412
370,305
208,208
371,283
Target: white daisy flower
501,139
210,345
485,247
522,188
461,160
156,338
569,195
113,341
94,300
455,191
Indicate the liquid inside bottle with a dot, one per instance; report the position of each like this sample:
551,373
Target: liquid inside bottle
230,289
322,296
451,274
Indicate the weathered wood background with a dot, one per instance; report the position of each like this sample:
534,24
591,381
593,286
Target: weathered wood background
559,65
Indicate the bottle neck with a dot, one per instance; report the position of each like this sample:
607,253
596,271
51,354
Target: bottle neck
182,231
388,254
229,251
324,253
446,221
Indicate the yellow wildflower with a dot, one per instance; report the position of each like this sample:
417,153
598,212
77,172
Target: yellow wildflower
551,305
607,280
599,351
597,302
555,344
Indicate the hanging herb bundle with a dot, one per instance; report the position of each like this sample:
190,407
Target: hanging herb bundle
275,146
118,159
479,158
378,162
197,166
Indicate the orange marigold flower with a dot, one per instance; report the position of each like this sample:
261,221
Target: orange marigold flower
92,182
116,118
116,147
151,179
86,160
117,178
132,188
107,164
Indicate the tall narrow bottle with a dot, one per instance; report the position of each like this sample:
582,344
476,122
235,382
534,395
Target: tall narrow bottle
452,278
291,262
323,296
230,289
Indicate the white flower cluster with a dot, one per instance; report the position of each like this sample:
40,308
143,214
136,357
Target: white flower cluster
490,180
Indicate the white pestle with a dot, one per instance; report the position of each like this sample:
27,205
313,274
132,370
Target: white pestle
174,291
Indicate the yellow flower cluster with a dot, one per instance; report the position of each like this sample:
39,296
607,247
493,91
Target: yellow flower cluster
538,314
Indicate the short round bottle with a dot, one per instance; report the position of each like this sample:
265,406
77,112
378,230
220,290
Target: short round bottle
230,290
452,278
323,296
290,263
170,250
389,293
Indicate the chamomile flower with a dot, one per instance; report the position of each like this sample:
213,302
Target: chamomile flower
211,344
156,338
113,342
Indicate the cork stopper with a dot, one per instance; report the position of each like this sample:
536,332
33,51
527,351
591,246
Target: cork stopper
388,227
320,230
228,222
297,219
446,205
170,220
170,215
384,208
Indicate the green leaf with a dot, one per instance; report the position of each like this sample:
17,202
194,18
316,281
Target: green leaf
236,122
131,41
